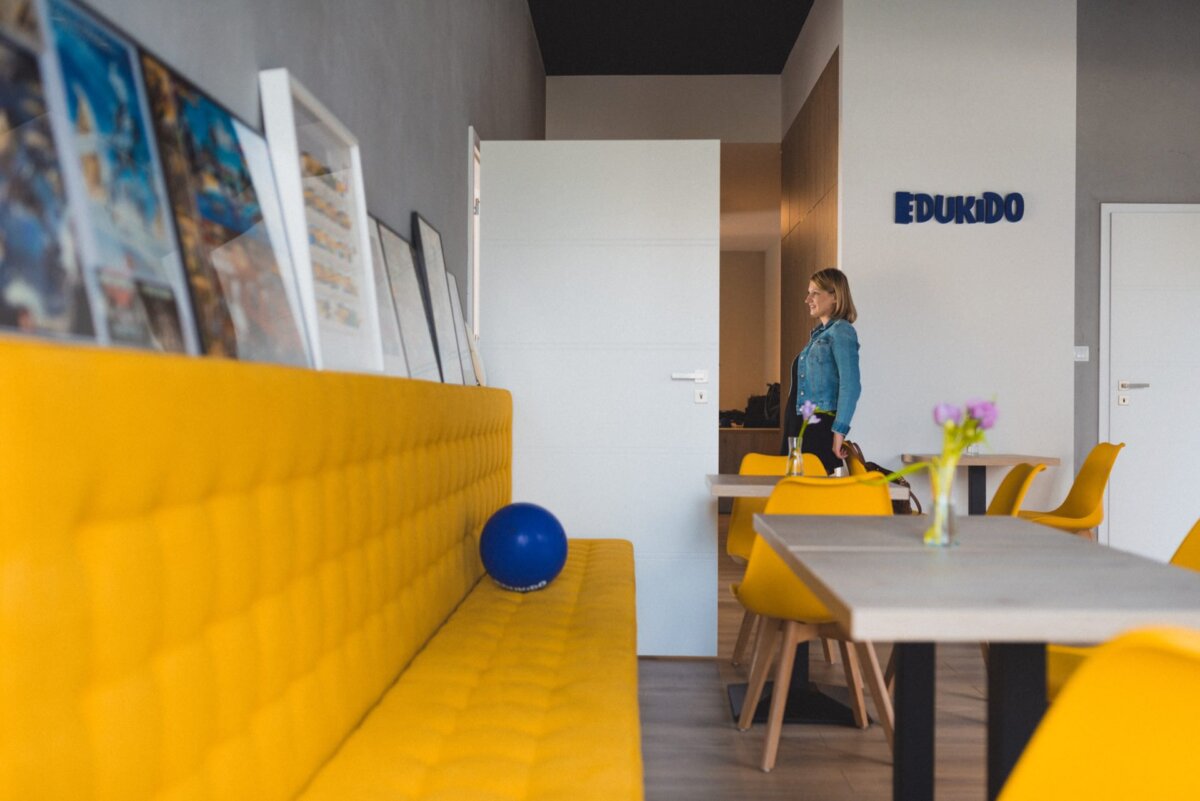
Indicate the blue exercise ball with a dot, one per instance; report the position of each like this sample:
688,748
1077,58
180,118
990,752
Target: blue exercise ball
523,547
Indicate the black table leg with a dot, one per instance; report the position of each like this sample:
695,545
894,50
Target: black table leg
912,763
806,703
1016,702
976,489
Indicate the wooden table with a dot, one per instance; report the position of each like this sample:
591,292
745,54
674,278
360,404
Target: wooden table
977,466
1009,582
732,485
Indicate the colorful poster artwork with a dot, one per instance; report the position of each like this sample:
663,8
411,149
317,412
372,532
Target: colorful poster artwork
18,19
332,241
125,230
241,280
41,284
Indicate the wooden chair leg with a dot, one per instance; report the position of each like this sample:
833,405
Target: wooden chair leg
768,629
854,685
889,673
749,621
830,653
879,691
783,679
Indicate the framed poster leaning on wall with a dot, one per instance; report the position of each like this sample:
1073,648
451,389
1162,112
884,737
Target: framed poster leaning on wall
115,183
410,305
319,174
394,362
230,227
428,244
41,283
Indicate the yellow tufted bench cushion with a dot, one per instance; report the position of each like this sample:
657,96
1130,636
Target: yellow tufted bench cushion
519,696
211,571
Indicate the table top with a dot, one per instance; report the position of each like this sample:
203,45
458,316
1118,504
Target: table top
733,485
1008,581
986,459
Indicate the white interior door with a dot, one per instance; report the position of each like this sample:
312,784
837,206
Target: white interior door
599,279
1150,276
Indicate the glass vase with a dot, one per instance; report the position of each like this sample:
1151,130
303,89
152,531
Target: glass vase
795,462
941,477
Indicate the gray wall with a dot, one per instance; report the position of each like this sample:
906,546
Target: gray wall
1138,115
405,76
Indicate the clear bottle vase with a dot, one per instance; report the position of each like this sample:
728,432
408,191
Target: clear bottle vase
795,462
941,477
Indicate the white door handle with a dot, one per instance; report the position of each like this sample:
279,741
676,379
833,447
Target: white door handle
1123,385
699,376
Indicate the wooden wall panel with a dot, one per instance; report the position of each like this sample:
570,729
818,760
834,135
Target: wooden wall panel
809,213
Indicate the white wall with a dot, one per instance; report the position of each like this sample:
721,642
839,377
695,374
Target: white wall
945,96
732,108
600,279
820,36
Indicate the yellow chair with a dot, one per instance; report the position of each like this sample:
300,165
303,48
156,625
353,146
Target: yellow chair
856,467
1188,553
1083,508
1011,492
771,590
739,539
1123,728
1063,660
813,466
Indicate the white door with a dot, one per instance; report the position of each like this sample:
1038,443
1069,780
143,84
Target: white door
1150,275
599,279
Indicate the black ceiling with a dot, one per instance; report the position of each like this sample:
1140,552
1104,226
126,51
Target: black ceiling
667,37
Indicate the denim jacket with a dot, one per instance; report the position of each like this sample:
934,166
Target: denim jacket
827,372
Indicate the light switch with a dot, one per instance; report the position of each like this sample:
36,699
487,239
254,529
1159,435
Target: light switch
1083,353
702,396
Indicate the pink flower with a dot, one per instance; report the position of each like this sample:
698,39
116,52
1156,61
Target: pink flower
983,411
947,412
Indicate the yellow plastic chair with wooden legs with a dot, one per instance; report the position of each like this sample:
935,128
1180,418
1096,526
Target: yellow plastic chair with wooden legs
739,539
1063,660
1123,728
1083,508
1011,492
791,612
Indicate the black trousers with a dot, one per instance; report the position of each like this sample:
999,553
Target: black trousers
818,440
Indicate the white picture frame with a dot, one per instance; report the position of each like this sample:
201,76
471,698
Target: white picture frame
464,335
428,244
401,266
318,170
394,361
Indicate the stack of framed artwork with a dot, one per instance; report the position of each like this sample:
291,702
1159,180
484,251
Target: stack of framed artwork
319,173
137,211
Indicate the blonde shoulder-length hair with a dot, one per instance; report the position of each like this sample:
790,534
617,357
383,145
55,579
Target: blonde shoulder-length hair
834,280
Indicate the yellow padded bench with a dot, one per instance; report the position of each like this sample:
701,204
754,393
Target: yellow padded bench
233,581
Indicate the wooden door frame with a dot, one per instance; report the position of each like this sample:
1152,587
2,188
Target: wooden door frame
1104,349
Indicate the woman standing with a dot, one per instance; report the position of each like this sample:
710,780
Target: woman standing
826,371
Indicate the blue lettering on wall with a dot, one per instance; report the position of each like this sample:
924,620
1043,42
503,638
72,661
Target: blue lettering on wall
987,207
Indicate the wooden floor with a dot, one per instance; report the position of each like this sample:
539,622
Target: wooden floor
693,751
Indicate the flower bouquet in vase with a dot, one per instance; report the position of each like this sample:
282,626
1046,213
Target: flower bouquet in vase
795,463
962,429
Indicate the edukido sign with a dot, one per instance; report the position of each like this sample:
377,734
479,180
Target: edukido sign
989,207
